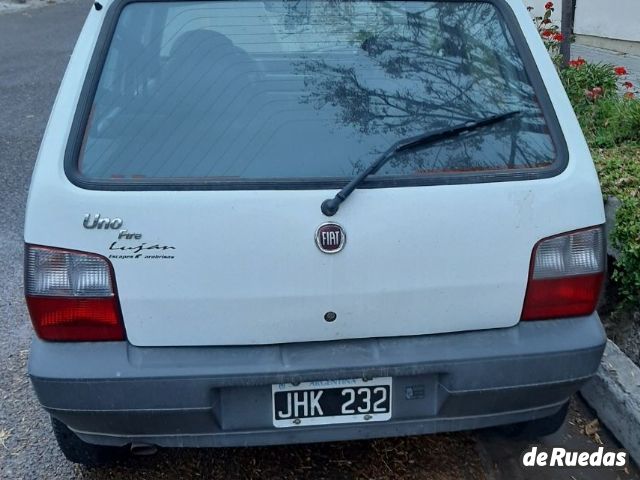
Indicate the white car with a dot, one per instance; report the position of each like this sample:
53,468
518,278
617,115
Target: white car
265,222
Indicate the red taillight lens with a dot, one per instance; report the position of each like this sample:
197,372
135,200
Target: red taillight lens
75,319
562,297
567,272
71,295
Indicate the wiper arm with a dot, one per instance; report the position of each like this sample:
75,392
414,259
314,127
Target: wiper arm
331,205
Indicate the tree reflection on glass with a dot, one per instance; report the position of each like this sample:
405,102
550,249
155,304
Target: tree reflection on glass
434,64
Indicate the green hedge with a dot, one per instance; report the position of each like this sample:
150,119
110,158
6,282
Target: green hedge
619,170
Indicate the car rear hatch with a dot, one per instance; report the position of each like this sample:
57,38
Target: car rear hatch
199,164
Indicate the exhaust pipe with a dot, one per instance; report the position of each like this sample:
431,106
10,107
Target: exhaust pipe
143,449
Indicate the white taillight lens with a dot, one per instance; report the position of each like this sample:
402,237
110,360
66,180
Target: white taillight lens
579,253
63,273
71,295
567,272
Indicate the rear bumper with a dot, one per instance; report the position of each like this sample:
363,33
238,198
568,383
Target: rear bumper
115,393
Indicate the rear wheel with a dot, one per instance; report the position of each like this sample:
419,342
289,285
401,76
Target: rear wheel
78,451
537,428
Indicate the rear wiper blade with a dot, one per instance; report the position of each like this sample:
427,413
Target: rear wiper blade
331,205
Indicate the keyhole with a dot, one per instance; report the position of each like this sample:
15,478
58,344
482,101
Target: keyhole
330,316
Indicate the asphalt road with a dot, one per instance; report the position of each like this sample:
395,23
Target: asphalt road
34,48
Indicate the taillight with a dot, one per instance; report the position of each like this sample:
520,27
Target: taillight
71,295
566,275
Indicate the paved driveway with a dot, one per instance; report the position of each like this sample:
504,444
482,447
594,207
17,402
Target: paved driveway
34,48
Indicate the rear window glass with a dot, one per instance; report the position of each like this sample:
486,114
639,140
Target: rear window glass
277,90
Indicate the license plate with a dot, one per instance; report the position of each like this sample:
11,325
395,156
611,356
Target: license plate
331,401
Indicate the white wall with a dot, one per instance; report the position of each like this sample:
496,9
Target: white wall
601,19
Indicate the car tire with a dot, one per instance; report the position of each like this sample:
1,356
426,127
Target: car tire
540,427
78,451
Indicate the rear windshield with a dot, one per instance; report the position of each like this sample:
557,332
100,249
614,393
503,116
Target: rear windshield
242,91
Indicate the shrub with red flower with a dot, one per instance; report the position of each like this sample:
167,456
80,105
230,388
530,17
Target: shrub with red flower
594,82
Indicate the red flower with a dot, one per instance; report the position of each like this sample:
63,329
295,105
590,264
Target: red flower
597,91
628,84
620,70
548,5
629,95
547,33
558,37
577,63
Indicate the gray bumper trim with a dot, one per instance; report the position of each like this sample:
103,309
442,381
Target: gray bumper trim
207,396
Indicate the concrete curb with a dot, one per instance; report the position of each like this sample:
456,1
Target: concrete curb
614,393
